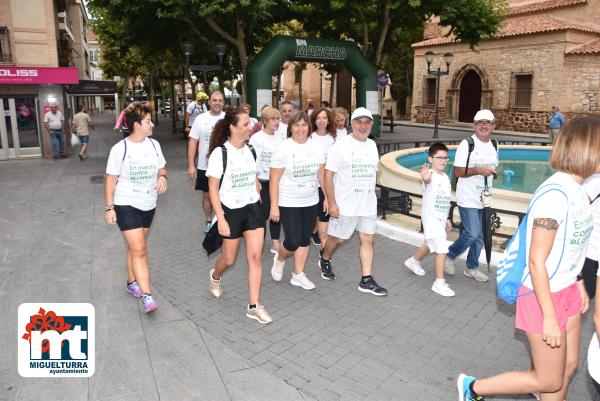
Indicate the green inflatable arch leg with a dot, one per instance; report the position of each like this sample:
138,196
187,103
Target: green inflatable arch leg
282,48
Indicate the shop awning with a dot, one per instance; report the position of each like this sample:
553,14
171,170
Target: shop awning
38,75
93,88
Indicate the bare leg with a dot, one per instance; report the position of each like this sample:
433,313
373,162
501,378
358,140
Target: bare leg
206,206
440,260
366,253
322,230
283,253
227,257
254,245
330,246
130,275
83,149
421,253
300,257
138,254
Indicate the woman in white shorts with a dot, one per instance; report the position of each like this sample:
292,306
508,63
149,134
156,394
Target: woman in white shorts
235,198
296,171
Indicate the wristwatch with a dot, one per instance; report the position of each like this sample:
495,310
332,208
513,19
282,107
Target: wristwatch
165,177
109,207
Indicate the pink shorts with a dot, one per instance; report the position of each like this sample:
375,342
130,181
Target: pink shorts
567,303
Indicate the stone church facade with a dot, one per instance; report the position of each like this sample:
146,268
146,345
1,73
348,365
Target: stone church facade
546,53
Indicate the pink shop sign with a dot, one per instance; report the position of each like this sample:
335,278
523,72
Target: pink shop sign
38,75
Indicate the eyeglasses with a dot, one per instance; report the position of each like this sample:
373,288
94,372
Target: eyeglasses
275,118
441,158
484,123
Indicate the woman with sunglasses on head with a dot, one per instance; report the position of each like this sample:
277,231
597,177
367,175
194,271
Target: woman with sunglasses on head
234,193
135,175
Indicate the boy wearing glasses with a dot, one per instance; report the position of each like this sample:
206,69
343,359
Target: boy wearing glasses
437,195
475,169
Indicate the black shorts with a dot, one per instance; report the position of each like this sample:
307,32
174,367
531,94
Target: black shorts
323,217
245,218
298,223
130,218
201,181
589,273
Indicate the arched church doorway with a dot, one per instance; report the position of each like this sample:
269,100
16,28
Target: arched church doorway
470,97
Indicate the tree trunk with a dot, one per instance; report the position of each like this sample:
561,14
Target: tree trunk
332,88
387,20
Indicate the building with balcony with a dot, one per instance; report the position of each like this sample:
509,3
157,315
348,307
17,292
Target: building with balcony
546,53
43,51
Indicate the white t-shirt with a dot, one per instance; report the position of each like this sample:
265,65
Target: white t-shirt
468,190
282,130
299,182
355,166
579,225
437,196
54,120
238,187
201,131
138,172
265,145
324,141
340,133
194,110
592,187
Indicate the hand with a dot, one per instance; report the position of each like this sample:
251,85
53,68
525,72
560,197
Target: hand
334,210
187,129
161,184
192,173
274,213
551,334
487,171
223,227
325,206
448,226
585,298
426,173
110,216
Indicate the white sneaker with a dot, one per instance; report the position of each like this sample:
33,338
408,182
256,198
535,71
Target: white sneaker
414,266
259,313
300,280
442,288
476,274
449,266
277,269
215,286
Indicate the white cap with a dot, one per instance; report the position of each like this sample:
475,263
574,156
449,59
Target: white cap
361,112
484,114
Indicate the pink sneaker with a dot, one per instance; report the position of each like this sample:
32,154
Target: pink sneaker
134,289
149,303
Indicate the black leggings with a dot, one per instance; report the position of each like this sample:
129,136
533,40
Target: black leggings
265,198
298,223
589,273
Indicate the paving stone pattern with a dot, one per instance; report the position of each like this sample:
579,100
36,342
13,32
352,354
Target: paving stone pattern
332,343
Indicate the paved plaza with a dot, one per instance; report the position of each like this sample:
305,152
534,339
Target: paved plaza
332,343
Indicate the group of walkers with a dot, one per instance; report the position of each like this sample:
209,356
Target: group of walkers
312,182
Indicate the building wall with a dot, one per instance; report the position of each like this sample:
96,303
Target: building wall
31,26
80,46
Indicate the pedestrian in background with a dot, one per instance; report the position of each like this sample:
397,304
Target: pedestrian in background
135,175
53,122
555,123
194,109
340,117
235,196
552,298
82,124
286,108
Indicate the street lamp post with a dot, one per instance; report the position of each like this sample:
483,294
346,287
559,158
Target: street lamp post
220,49
188,49
437,74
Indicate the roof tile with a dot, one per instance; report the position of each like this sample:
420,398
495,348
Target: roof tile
586,48
543,6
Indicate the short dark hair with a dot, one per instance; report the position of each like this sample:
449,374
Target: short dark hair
436,147
284,102
135,113
81,107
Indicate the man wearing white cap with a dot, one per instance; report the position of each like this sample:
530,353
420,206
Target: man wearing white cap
474,165
350,192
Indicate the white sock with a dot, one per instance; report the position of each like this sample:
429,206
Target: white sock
439,281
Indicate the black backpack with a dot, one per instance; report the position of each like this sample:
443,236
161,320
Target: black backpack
224,150
471,144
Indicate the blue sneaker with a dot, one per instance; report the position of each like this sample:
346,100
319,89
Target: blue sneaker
464,388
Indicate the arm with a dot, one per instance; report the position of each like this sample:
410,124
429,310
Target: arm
542,238
321,179
274,179
110,184
191,156
484,171
597,312
161,181
334,210
46,126
187,121
215,201
119,121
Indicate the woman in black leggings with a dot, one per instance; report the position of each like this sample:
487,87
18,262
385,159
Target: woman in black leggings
296,172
